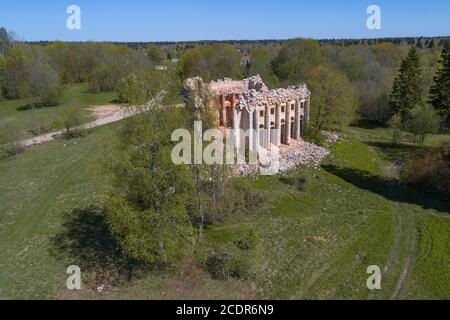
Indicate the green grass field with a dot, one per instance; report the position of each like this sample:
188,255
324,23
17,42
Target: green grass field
316,243
39,121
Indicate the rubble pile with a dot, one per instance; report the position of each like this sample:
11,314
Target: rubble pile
330,137
229,86
297,153
253,98
301,153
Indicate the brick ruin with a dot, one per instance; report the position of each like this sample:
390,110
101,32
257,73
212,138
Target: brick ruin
249,104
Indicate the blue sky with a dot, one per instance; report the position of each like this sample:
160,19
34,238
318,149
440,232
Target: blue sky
176,20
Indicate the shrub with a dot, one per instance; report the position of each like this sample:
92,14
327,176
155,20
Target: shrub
395,124
313,135
245,197
238,260
422,120
70,120
230,263
9,146
43,86
431,171
299,182
249,241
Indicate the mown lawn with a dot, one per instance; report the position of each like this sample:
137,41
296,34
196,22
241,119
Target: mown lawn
30,122
316,243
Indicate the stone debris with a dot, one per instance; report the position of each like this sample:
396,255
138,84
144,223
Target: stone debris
301,153
229,86
330,137
253,99
297,153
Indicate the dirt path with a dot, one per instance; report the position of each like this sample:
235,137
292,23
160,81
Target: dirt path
103,114
405,237
406,268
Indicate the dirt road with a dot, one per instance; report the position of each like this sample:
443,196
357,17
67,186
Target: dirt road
103,114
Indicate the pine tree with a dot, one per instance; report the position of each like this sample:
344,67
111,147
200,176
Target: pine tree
407,88
440,90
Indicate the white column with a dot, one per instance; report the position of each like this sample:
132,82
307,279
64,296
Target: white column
288,123
255,115
267,127
278,125
236,128
306,105
297,120
250,130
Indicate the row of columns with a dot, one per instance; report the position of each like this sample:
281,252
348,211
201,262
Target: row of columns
253,123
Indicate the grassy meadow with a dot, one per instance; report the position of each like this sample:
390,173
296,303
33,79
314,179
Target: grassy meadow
31,122
316,243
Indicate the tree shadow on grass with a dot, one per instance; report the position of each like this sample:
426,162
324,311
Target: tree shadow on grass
392,190
392,151
86,240
367,124
33,106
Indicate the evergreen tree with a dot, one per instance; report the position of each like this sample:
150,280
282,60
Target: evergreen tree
406,91
440,90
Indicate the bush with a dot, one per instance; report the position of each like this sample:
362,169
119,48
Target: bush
43,86
395,124
245,197
422,120
9,146
249,241
70,120
313,135
228,264
239,260
431,171
299,182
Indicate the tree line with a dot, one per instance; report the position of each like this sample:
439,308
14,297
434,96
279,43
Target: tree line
37,73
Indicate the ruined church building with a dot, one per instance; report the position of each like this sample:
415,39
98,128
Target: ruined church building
249,104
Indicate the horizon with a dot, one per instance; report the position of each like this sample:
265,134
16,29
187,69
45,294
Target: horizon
237,40
139,21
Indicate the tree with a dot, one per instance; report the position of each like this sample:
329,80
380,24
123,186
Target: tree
395,124
261,64
334,98
211,62
14,74
439,96
112,63
6,41
146,206
140,86
43,86
407,87
155,54
422,120
296,59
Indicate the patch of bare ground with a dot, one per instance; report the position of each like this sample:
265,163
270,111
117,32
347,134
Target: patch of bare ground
99,112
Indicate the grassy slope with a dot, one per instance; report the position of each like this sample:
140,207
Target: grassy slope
37,189
41,120
316,244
